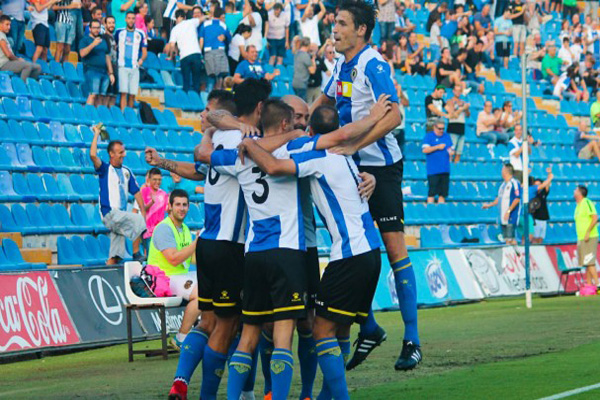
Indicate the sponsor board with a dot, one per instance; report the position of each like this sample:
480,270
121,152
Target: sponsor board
96,299
465,277
32,314
565,257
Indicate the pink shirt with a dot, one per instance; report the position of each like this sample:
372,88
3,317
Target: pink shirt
140,23
156,213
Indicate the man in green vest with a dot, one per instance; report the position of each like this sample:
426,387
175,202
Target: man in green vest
171,250
586,224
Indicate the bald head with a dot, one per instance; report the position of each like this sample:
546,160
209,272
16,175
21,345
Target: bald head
300,110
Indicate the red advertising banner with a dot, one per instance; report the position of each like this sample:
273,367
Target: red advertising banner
565,257
32,315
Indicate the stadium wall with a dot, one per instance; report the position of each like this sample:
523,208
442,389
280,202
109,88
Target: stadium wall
46,311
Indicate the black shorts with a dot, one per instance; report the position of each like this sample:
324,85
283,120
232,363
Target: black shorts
347,288
220,270
438,185
313,275
41,35
274,286
386,202
503,49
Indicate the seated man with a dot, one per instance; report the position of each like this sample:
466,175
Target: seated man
252,68
587,144
8,60
171,250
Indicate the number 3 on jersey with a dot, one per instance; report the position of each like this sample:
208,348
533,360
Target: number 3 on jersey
259,199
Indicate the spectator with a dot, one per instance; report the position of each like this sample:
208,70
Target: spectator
403,26
502,30
115,181
15,9
473,62
591,76
576,49
482,20
535,16
565,53
437,147
386,18
113,88
172,250
570,8
185,36
438,13
97,65
401,60
119,9
39,25
254,20
155,203
309,24
519,32
536,52
458,110
237,47
214,38
132,52
190,187
595,111
329,62
140,19
468,78
591,9
489,49
251,68
515,152
278,34
509,117
415,55
8,60
232,17
95,14
568,85
556,5
435,106
551,64
540,212
486,123
65,28
587,144
402,104
448,72
586,224
436,41
509,201
315,80
326,27
304,66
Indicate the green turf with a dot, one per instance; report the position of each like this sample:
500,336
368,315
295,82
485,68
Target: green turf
494,349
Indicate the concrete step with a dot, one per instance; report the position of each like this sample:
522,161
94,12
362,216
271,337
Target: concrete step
15,236
37,255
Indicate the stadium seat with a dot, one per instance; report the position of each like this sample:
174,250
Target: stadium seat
51,219
94,250
7,222
22,188
19,87
11,153
37,187
71,74
25,225
80,188
6,89
13,254
49,91
66,254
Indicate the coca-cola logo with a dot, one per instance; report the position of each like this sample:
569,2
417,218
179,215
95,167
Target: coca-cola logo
32,314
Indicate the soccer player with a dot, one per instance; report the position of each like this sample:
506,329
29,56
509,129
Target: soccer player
275,279
359,77
348,285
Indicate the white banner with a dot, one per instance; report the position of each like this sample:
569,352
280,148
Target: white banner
467,281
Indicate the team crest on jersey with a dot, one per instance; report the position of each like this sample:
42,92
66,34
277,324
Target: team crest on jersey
126,174
353,74
344,89
277,367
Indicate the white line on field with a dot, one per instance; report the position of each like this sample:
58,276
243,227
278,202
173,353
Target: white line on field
572,392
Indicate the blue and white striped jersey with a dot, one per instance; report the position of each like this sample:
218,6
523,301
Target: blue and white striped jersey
273,202
356,85
333,181
224,205
129,47
210,31
115,183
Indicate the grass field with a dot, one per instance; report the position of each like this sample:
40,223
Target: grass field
490,350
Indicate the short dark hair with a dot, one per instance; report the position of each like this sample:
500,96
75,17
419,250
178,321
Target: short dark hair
219,12
129,12
110,17
148,18
178,193
583,190
224,98
250,93
4,18
274,112
232,4
95,20
194,9
324,119
154,171
179,14
242,28
112,143
509,167
278,6
363,13
95,9
461,52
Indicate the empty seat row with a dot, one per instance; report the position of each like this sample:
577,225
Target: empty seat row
460,236
449,213
40,90
12,260
88,251
187,101
28,188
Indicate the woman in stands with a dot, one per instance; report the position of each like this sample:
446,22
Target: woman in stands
237,47
401,56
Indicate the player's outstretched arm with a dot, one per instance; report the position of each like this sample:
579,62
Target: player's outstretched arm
265,160
350,134
184,169
225,121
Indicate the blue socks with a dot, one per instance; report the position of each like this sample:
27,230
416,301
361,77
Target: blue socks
239,369
192,351
344,343
370,325
282,369
308,363
249,386
406,290
265,346
212,372
332,364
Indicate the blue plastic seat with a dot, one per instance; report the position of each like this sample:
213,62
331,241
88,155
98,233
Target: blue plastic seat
94,250
38,190
36,219
19,87
52,189
65,187
194,217
63,92
64,218
5,265
71,74
11,153
49,91
7,222
25,226
26,157
94,215
67,160
66,113
41,159
152,61
39,111
51,219
150,139
117,116
66,252
6,89
13,254
75,92
80,189
80,218
132,118
5,161
22,188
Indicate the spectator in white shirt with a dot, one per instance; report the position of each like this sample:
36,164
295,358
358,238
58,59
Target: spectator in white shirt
253,19
184,37
39,26
237,47
565,53
329,62
309,23
278,34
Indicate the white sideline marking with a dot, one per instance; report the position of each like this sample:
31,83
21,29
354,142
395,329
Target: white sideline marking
572,392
